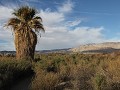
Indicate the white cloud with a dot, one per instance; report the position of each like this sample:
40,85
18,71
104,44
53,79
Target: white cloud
6,37
73,23
66,7
5,12
80,35
51,18
114,39
87,35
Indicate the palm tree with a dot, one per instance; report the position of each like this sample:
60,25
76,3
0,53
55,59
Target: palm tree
25,26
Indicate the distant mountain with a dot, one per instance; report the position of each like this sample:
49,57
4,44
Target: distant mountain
3,52
66,50
106,47
7,53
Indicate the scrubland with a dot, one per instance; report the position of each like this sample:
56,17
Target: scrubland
62,71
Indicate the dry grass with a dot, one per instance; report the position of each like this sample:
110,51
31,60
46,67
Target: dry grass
80,72
68,71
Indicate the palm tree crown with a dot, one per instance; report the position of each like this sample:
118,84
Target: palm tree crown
25,17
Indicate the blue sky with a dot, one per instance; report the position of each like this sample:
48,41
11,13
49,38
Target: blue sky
68,23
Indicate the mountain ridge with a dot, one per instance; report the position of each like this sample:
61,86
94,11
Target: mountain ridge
105,47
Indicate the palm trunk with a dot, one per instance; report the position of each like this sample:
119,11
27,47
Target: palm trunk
25,43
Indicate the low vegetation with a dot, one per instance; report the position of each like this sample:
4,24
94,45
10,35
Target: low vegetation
12,70
77,72
56,71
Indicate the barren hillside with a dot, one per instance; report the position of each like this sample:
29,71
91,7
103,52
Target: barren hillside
105,47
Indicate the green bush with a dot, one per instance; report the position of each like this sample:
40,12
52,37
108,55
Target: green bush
99,82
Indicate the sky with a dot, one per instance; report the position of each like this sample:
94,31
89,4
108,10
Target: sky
67,23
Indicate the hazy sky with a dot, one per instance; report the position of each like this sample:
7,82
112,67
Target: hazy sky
68,23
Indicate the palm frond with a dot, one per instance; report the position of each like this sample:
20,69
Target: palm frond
14,22
36,25
38,18
25,13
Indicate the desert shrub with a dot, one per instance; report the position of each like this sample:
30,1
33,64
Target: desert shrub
83,76
84,72
111,70
69,71
107,75
52,72
44,80
12,70
99,82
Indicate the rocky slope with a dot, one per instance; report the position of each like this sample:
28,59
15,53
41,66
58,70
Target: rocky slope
106,47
